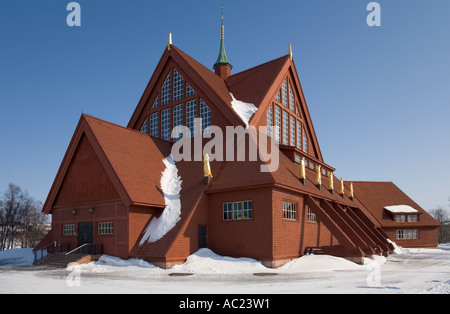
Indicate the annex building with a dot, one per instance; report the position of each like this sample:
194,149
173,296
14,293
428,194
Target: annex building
121,191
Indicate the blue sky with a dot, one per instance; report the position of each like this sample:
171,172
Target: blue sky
379,97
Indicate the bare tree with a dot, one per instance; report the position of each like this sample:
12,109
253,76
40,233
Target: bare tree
20,219
442,216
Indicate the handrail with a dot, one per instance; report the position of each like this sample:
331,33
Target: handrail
80,247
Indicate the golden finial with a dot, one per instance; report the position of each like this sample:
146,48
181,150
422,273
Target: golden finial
206,166
169,42
341,188
331,183
318,176
302,176
350,194
290,51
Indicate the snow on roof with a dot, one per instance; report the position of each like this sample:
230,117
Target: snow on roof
401,209
171,187
243,109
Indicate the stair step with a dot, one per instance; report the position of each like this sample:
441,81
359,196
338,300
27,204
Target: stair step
61,260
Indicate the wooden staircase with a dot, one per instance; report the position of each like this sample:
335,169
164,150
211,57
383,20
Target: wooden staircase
61,260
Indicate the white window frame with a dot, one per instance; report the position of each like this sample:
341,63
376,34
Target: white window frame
106,228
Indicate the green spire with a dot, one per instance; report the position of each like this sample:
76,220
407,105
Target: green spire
222,59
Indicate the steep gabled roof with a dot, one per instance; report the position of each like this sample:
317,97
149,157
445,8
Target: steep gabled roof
375,196
207,81
253,84
132,160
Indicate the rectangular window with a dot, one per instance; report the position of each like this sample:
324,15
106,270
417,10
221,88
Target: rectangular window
165,125
285,128
105,228
305,141
270,121
205,114
289,210
407,234
299,134
178,85
165,95
292,130
277,123
248,209
69,230
238,210
310,216
154,124
191,114
285,96
412,218
400,218
228,211
178,118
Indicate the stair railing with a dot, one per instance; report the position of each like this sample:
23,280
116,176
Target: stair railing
89,248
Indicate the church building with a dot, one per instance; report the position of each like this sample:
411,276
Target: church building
122,190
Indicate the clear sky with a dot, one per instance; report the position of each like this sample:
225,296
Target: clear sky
379,97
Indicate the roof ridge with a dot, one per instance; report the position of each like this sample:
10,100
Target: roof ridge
87,117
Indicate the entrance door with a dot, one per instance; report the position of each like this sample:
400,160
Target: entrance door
85,233
202,237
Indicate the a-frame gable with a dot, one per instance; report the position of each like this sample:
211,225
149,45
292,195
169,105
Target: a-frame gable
86,180
278,104
206,85
83,141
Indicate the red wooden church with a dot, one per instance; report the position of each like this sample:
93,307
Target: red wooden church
111,188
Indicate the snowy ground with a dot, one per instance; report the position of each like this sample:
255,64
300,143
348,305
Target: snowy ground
408,271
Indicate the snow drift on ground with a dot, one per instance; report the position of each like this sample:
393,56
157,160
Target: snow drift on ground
171,187
243,109
16,257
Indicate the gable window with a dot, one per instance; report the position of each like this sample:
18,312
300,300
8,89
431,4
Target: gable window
144,128
310,216
205,114
285,96
178,85
278,97
285,128
412,218
291,99
165,95
189,90
305,141
299,135
165,125
289,210
105,228
292,130
277,123
270,121
178,118
154,125
156,103
400,218
191,114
